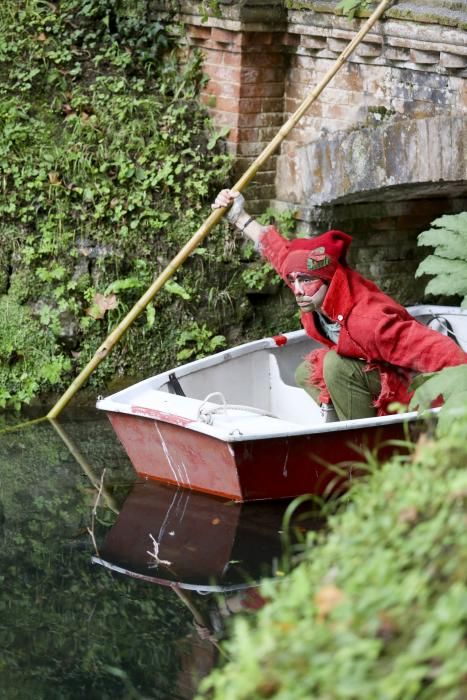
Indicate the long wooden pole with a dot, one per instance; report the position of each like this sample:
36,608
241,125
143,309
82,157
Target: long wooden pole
104,349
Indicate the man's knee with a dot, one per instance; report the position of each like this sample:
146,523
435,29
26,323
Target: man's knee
335,367
302,378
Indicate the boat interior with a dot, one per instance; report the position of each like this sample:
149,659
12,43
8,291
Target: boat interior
255,378
263,378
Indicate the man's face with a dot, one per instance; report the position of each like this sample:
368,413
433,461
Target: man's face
309,291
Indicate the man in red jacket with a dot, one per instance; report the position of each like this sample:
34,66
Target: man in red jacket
372,346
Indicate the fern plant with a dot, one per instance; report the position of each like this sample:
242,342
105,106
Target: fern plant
448,263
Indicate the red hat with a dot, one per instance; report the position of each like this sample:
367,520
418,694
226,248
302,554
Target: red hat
318,256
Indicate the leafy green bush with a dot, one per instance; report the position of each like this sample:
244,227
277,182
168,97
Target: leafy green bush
378,606
451,385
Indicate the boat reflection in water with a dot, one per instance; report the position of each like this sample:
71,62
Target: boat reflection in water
194,541
199,544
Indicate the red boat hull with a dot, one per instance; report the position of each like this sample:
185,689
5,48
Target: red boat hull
270,468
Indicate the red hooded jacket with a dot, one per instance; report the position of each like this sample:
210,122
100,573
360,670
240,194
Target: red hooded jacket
373,328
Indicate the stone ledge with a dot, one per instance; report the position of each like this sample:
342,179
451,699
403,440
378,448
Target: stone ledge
367,158
245,12
259,15
328,42
449,13
376,49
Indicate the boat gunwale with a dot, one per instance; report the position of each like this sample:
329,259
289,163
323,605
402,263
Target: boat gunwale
111,404
219,432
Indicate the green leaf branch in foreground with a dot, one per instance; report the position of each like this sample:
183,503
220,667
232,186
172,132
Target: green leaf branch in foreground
353,7
378,606
451,385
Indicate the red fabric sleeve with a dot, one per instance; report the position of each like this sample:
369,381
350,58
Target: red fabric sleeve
404,342
274,248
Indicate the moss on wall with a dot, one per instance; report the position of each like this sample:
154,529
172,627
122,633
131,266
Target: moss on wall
109,163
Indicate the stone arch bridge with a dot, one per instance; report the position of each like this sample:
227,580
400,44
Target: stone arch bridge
383,150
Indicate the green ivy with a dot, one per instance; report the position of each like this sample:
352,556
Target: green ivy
198,341
259,276
353,7
108,160
209,8
30,360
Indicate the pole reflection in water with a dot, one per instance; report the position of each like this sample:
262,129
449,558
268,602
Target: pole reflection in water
84,464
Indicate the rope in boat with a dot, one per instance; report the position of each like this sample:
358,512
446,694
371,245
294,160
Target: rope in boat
449,331
206,414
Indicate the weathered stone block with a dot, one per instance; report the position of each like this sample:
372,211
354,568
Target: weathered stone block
396,54
368,159
367,50
313,42
451,60
425,57
337,45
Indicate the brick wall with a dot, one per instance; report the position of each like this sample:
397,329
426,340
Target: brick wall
247,72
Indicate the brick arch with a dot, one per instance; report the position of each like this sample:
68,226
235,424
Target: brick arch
410,152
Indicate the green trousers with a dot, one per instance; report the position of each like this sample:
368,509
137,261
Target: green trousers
352,390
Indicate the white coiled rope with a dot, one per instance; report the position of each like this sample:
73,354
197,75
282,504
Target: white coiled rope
206,413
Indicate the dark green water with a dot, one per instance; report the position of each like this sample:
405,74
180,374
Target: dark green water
74,628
